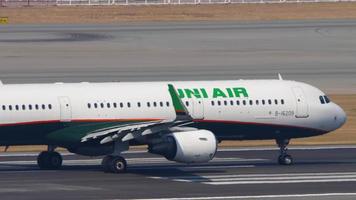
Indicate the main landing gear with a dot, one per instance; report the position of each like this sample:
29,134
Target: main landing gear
114,164
49,160
284,158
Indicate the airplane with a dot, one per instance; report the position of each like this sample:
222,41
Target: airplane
181,120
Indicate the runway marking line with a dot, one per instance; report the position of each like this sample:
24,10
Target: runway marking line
256,196
265,178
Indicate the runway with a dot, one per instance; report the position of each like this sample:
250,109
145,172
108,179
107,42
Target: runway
319,173
321,53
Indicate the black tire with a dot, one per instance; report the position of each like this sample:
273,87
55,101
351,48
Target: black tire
49,160
105,163
55,160
285,160
118,165
42,160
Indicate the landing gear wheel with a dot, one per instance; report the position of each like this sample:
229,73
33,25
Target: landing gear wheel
105,163
114,164
49,160
285,160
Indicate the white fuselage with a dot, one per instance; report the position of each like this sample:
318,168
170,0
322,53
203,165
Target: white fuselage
276,106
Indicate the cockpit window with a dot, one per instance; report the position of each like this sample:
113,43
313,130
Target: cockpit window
327,100
322,101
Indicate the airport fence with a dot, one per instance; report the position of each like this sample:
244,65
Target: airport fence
11,3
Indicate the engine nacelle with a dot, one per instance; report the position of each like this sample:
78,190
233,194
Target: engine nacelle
187,147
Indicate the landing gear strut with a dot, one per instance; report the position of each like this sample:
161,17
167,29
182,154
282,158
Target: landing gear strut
114,164
284,158
49,160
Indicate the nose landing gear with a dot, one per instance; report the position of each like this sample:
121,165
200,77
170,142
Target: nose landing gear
284,158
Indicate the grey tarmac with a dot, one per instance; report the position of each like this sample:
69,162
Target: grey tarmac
318,173
321,53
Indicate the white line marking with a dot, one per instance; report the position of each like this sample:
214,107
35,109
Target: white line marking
280,182
257,196
264,175
216,167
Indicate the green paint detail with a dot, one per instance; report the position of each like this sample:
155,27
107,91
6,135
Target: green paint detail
229,92
195,92
178,106
181,93
235,92
218,93
203,91
240,91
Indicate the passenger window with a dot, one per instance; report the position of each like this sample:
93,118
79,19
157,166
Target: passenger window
276,101
89,106
108,105
212,103
43,107
148,104
161,104
155,104
251,102
121,105
322,101
17,107
128,104
115,105
95,105
237,102
23,107
167,103
30,107
269,101
219,103
244,102
10,107
282,101
257,102
36,106
102,105
187,103
3,107
225,103
232,102
263,102
50,106
138,104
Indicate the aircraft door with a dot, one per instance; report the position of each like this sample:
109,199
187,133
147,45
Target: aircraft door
65,109
302,110
198,109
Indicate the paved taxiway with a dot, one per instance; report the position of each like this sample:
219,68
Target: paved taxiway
319,52
319,173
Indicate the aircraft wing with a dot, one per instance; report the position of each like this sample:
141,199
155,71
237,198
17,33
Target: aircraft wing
136,130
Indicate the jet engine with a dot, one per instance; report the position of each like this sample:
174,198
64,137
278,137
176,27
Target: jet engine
196,146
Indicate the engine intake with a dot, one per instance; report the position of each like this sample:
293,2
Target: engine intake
187,147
